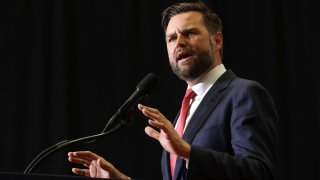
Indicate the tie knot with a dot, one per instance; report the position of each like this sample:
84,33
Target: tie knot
190,94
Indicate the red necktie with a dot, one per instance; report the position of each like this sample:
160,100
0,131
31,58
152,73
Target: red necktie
190,94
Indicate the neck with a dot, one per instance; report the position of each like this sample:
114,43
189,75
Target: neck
194,81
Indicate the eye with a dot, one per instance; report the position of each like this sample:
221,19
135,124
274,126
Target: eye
190,33
171,39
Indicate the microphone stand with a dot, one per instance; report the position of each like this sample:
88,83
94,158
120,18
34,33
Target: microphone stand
125,119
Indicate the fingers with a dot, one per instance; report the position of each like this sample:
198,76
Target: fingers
84,154
82,157
82,172
152,113
156,120
94,170
157,124
97,166
86,163
152,133
91,161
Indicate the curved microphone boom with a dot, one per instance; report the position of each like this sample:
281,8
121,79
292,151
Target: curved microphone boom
117,121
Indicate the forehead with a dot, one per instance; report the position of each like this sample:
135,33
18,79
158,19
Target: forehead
187,20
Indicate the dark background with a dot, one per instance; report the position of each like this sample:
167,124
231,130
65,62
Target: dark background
66,66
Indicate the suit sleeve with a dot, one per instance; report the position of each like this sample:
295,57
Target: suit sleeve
253,135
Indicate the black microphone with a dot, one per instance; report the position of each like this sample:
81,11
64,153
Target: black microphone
143,89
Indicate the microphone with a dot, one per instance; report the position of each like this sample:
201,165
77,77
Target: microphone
143,89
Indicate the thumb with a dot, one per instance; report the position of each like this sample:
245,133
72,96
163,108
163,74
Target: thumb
103,164
100,164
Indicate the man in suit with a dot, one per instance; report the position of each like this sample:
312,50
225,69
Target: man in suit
229,131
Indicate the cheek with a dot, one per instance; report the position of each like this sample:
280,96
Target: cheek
200,44
171,59
170,53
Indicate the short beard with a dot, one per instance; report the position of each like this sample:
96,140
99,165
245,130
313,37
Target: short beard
200,64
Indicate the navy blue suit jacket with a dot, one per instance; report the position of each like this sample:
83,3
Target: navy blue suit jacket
232,134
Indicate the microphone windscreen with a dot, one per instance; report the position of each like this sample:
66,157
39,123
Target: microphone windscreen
148,83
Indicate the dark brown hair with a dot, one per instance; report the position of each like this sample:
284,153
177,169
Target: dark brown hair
211,19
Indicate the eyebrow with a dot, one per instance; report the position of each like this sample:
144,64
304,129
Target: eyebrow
187,29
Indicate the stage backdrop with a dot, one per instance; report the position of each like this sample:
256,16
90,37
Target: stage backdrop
66,66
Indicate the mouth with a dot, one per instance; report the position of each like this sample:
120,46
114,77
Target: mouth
183,56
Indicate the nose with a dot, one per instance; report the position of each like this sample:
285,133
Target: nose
181,41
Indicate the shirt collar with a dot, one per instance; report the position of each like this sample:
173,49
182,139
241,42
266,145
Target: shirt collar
208,80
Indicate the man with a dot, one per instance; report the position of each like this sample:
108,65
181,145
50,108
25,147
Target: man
230,129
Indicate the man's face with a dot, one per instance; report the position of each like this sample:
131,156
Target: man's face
189,47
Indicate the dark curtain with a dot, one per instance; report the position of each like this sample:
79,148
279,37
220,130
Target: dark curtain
66,67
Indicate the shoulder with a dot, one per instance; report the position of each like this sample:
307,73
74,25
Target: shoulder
241,87
246,84
230,78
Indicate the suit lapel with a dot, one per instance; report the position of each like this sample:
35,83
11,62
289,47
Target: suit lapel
166,174
207,105
204,109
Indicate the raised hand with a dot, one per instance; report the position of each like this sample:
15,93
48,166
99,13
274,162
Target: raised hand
167,136
96,166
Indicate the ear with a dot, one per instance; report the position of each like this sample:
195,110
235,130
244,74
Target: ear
218,40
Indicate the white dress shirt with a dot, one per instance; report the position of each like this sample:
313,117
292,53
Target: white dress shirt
201,89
